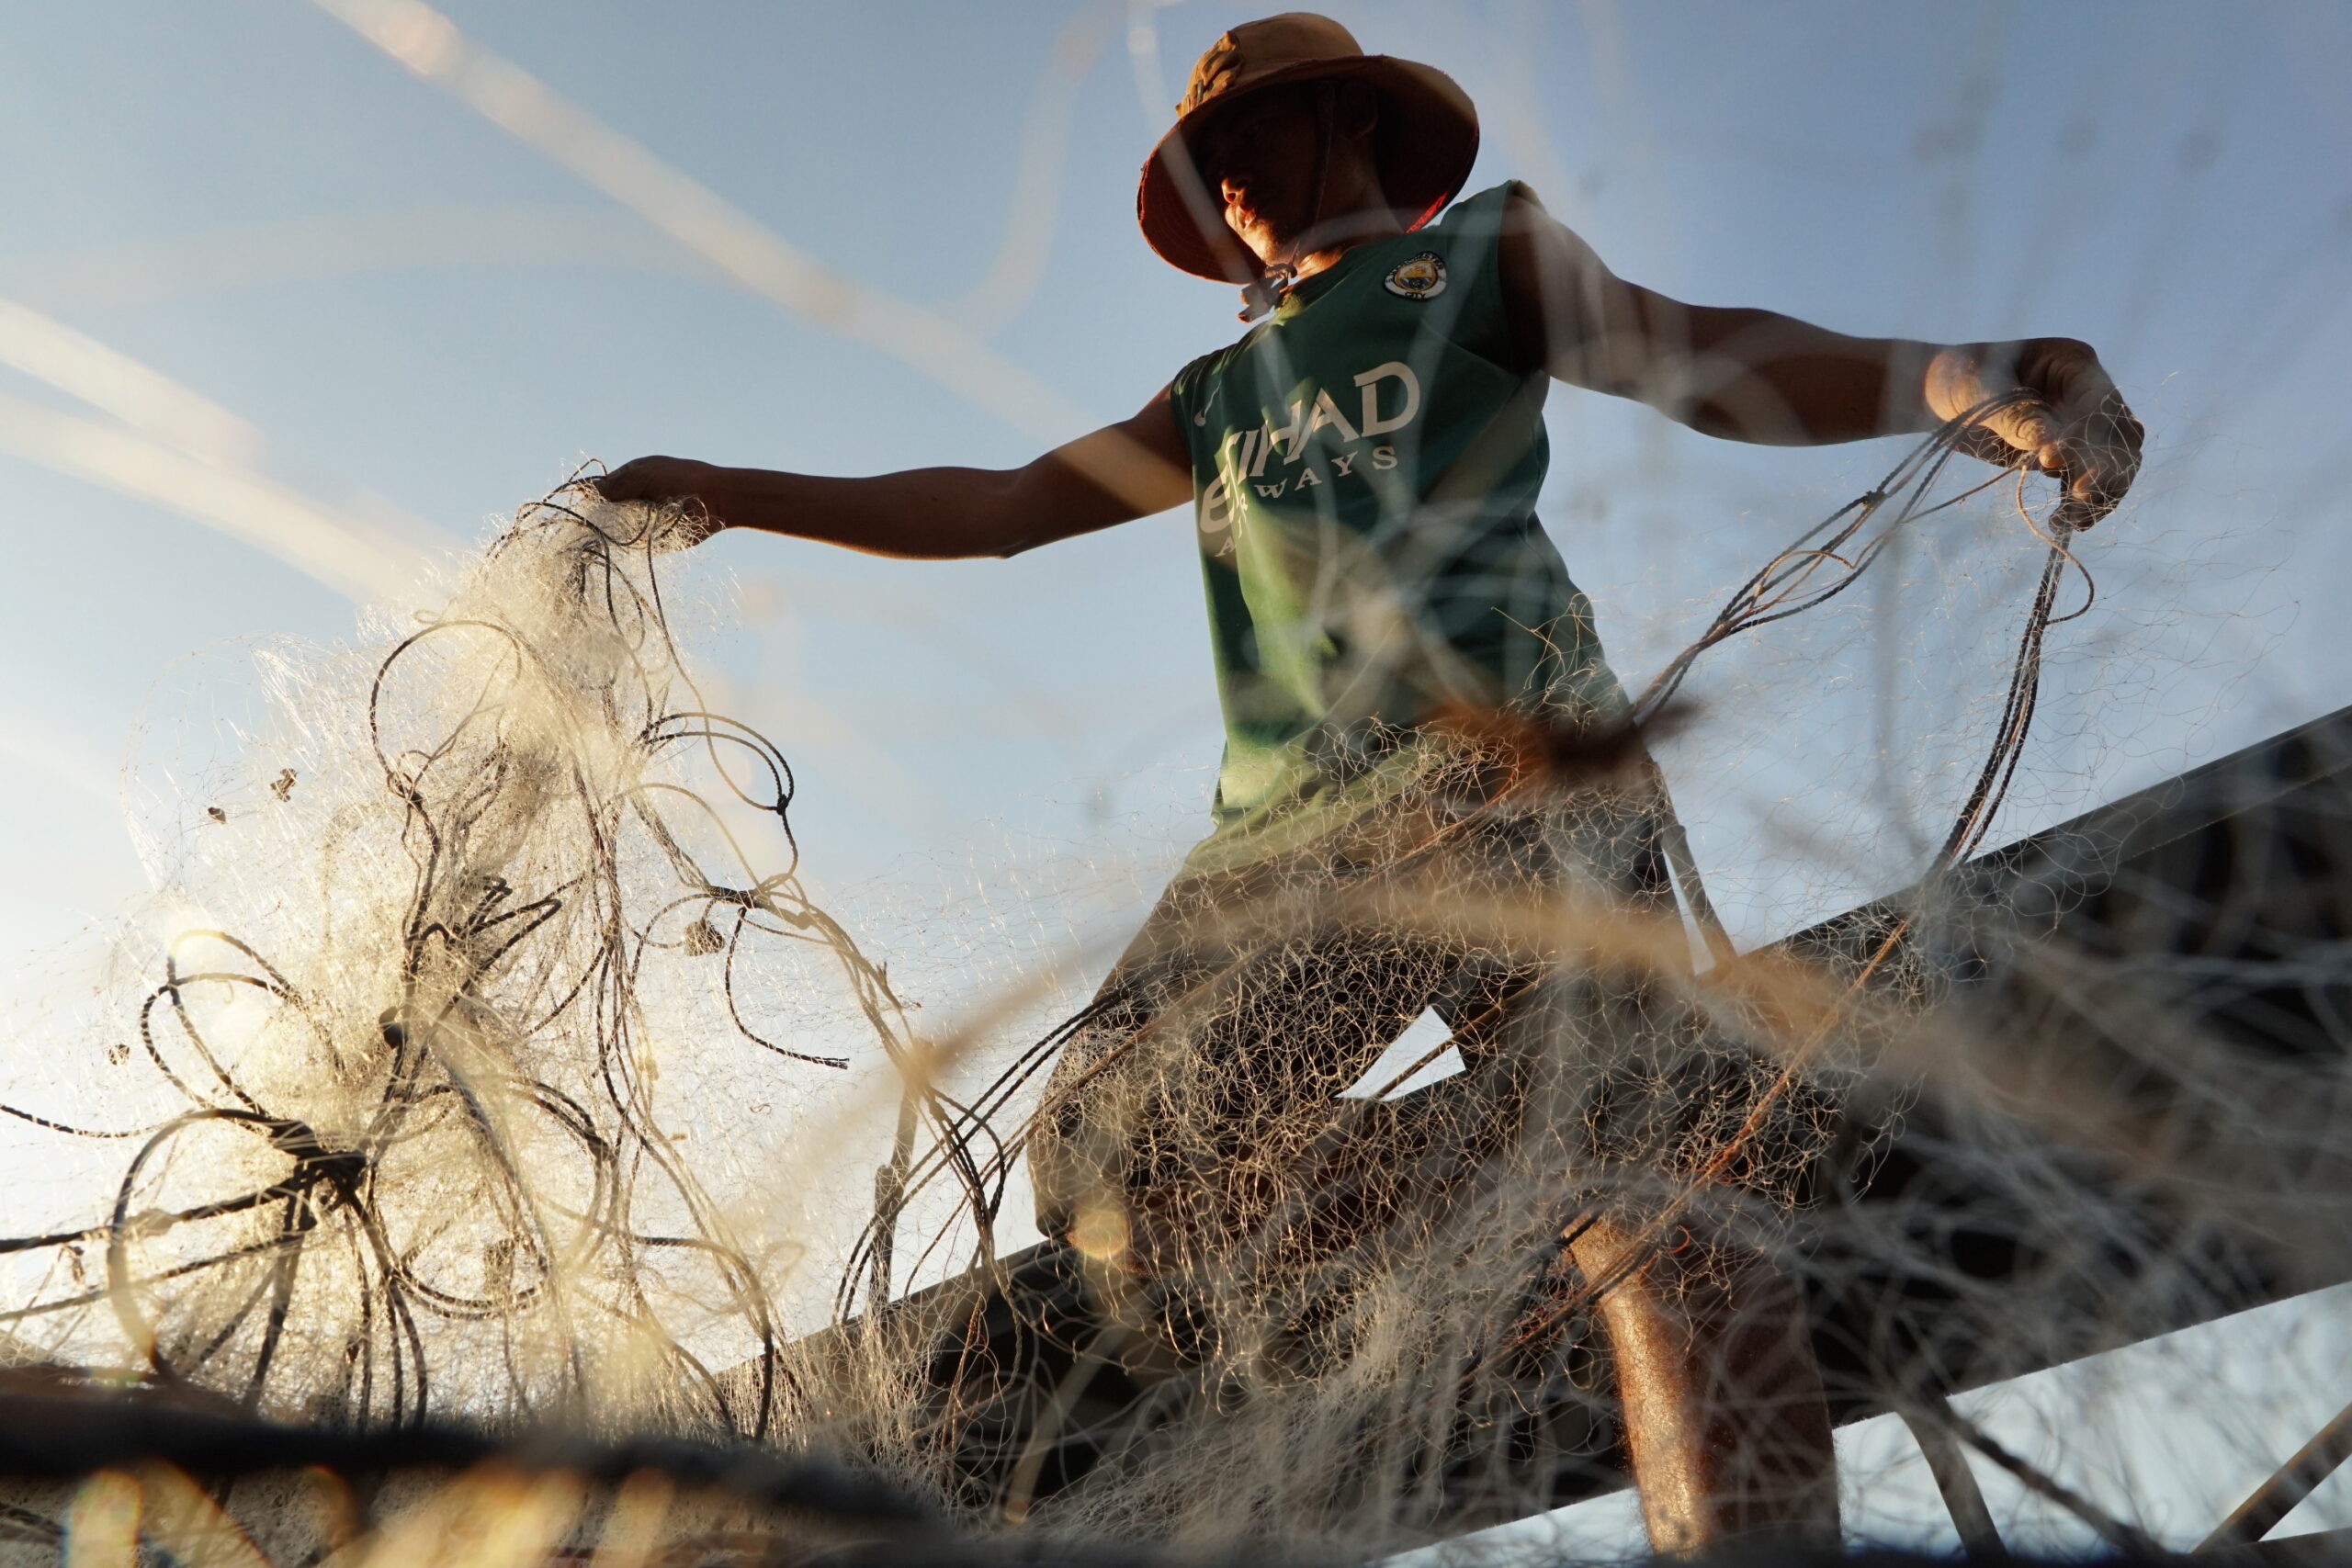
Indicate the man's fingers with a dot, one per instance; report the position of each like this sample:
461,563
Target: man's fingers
2095,459
2109,443
2098,469
668,482
2008,436
630,481
2070,421
647,478
2029,429
618,485
1985,444
2084,500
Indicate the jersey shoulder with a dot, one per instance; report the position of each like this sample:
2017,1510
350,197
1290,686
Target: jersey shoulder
1482,215
1199,372
1192,389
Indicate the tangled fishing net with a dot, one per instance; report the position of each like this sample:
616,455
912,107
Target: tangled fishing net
409,1154
478,1075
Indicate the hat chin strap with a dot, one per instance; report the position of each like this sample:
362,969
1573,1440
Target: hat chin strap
1273,285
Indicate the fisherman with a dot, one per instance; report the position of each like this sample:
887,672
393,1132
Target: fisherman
1363,465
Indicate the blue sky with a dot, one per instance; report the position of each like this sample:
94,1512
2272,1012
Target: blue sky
413,318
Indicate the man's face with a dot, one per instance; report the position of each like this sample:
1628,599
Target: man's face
1259,156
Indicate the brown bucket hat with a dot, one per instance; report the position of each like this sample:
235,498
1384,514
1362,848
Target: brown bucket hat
1426,142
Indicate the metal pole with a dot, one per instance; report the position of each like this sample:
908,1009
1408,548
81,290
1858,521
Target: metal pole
2295,1479
1964,1499
890,1197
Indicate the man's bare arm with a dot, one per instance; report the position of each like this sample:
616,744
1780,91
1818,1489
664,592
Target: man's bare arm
1750,375
1116,474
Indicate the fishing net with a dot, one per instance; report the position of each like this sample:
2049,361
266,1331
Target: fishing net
483,1061
396,1137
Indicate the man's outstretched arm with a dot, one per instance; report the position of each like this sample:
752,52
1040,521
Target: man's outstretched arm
1116,474
1750,375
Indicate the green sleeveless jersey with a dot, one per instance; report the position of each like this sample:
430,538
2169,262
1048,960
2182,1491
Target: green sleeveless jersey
1366,463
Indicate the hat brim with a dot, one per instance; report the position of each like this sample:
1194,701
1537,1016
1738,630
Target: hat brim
1425,141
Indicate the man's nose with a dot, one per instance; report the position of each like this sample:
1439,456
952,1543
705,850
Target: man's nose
1234,187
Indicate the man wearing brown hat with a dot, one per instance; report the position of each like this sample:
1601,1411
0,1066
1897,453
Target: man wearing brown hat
1363,465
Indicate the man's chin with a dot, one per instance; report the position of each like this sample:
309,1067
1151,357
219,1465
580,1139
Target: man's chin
1257,239
1262,246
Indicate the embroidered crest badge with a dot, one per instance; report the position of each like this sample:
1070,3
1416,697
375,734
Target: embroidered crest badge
1418,277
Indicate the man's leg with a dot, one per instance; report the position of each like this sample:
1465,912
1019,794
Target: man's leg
1179,1123
1724,1419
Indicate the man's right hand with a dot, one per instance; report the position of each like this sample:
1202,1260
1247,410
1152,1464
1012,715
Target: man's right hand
657,479
662,482
2075,423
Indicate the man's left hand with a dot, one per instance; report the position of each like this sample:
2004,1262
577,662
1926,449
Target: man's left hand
2075,425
